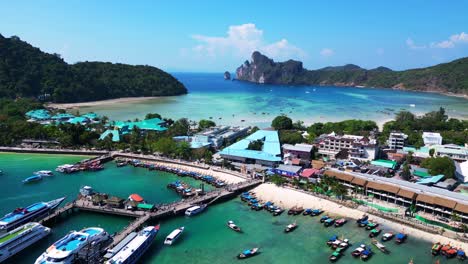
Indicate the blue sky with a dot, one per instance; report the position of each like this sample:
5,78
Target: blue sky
219,35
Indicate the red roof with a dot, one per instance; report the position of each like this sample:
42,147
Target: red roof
135,197
296,161
309,172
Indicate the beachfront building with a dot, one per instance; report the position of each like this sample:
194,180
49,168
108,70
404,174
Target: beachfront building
214,136
353,147
121,128
455,152
287,170
461,171
397,140
432,138
269,155
429,201
299,151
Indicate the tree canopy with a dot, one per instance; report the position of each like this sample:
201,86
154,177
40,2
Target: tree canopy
439,165
26,71
204,124
282,122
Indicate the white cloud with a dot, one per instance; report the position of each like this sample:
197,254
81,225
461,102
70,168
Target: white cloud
410,43
452,41
241,41
327,52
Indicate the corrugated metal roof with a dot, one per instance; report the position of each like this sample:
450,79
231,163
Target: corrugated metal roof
270,151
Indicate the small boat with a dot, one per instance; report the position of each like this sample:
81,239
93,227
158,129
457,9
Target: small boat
344,244
375,232
357,251
195,210
371,225
400,238
307,212
363,223
461,254
436,248
248,253
44,173
268,205
366,254
451,253
340,222
335,255
332,239
290,227
316,212
380,246
295,210
34,178
172,237
257,207
335,244
329,222
445,248
324,218
278,211
233,226
362,219
387,237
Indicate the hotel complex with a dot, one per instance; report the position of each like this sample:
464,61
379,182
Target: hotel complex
348,146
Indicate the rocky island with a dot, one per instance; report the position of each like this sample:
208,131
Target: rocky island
443,78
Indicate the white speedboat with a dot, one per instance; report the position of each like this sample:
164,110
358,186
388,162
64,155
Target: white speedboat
135,248
195,210
18,239
44,173
233,226
66,249
172,237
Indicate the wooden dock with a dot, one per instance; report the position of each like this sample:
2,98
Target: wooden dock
141,217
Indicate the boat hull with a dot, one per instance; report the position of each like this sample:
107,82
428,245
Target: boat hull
28,240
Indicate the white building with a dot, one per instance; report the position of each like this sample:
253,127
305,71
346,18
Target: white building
358,147
431,138
397,140
461,171
455,152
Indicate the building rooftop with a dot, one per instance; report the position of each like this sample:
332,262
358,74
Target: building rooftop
147,124
298,147
452,149
114,133
270,150
462,170
289,168
39,114
431,180
389,164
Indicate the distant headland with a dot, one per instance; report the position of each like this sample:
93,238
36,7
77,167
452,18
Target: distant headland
448,78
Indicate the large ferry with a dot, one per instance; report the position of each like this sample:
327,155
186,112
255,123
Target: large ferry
136,247
66,249
20,238
23,215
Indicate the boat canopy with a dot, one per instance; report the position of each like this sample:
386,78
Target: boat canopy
400,236
246,252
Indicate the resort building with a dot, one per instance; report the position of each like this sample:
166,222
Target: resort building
120,128
397,140
298,151
431,138
455,152
461,171
287,170
269,155
428,200
214,136
350,146
38,115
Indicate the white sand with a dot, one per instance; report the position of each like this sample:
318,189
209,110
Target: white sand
288,198
102,102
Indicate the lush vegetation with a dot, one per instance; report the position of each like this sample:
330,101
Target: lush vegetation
439,165
282,122
256,145
446,77
204,124
353,127
453,131
26,71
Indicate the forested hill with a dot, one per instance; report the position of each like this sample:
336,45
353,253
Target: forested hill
447,77
26,71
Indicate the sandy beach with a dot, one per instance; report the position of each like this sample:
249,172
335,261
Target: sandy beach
288,198
102,102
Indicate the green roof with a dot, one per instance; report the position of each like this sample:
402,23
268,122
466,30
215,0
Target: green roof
385,163
114,133
421,173
431,180
148,124
145,206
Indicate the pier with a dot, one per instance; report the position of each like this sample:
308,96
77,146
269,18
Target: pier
141,217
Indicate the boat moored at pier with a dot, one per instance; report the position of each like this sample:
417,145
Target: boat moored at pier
172,237
18,239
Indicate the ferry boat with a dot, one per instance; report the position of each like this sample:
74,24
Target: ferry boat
23,215
44,173
172,237
33,178
134,249
195,210
20,238
65,250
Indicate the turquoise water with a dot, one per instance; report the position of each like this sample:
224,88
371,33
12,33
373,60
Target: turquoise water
230,102
206,238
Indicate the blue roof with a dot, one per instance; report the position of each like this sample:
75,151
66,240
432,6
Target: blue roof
39,114
78,120
114,133
62,116
90,115
431,180
270,151
148,124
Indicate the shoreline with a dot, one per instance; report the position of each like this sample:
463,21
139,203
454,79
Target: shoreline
288,198
102,102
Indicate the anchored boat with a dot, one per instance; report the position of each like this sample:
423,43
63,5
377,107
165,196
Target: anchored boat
20,238
44,173
135,248
233,226
290,227
66,249
172,237
248,253
34,178
195,210
23,215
